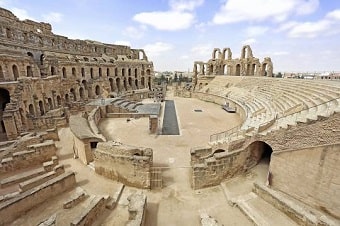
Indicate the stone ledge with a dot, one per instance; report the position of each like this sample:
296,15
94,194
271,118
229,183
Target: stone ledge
137,209
76,198
300,214
111,204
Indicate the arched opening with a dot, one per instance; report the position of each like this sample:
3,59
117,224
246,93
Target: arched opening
59,101
143,82
50,103
29,71
53,72
125,84
264,69
74,72
97,90
211,69
91,72
116,72
100,72
148,72
123,72
82,72
4,100
219,151
111,84
130,81
238,70
84,84
2,76
107,72
41,108
31,109
136,83
149,83
259,153
15,72
42,58
81,93
73,94
64,72
129,72
118,84
136,72
253,68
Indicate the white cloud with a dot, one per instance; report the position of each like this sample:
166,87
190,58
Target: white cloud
181,5
249,41
202,50
123,43
156,49
334,15
309,29
184,57
169,20
52,17
233,11
135,32
21,14
280,53
179,17
256,31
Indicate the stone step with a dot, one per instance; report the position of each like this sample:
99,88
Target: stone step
21,177
261,212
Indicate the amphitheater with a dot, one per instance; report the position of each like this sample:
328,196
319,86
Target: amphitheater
86,138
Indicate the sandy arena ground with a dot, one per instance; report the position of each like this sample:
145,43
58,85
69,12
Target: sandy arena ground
176,203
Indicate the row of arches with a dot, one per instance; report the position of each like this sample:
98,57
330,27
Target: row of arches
73,72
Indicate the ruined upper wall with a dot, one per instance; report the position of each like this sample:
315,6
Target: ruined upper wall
39,35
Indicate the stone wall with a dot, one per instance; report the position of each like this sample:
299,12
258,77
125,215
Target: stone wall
34,60
229,159
127,164
15,207
310,175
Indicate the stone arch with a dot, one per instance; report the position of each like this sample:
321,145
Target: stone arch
125,84
67,98
219,151
100,72
4,100
213,55
149,83
253,69
258,151
116,71
64,72
31,109
29,71
267,67
129,72
136,72
238,70
118,84
15,72
143,82
130,81
97,90
53,71
59,100
107,72
50,103
123,71
82,72
246,52
148,72
81,93
111,84
229,54
74,72
91,72
136,83
41,107
2,75
73,94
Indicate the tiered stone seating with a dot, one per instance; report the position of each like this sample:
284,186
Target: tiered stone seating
275,103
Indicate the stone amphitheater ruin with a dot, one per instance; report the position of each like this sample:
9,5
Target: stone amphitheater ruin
83,138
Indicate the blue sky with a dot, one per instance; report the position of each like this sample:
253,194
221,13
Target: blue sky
299,35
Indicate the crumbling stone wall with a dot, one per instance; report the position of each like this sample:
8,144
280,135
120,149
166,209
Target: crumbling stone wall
230,159
127,164
34,60
222,63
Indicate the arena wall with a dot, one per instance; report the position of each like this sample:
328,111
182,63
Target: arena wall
309,175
